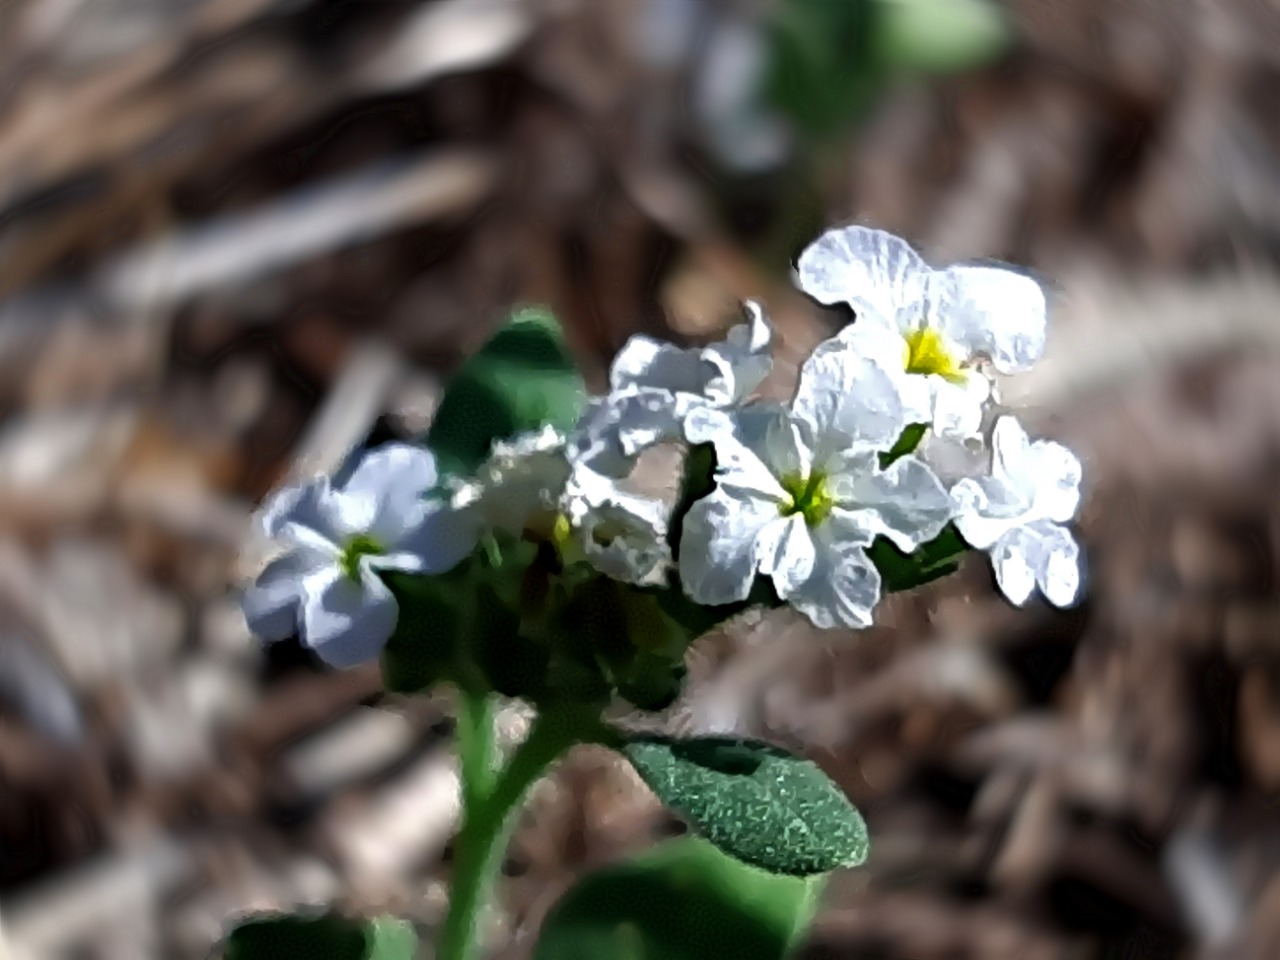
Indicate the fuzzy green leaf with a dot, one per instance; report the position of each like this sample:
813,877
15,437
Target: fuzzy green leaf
754,801
683,900
522,378
321,937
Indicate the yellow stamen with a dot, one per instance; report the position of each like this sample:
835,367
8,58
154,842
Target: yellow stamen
925,352
808,496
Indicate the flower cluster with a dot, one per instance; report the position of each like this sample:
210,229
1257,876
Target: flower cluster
801,496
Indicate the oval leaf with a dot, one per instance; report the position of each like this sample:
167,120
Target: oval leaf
683,900
522,378
754,801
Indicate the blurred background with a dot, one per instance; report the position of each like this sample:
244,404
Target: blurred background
239,237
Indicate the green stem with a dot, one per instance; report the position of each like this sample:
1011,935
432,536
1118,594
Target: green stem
477,747
488,815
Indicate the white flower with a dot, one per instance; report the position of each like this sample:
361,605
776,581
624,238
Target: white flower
653,385
930,327
529,484
1016,514
521,484
621,534
799,494
325,586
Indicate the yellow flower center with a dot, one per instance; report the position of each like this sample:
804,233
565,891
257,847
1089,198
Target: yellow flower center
925,352
807,496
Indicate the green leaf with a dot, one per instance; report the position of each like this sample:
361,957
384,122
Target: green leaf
522,378
906,443
683,900
321,937
941,36
905,571
425,647
754,801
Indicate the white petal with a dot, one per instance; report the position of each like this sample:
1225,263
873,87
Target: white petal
986,509
851,527
718,556
844,587
885,346
442,539
877,339
994,313
595,443
1013,559
742,361
271,605
1011,449
344,621
1046,475
646,362
705,424
957,408
623,535
872,270
523,479
1056,472
845,400
905,503
648,417
744,441
953,458
1059,573
308,516
768,431
786,554
615,429
391,482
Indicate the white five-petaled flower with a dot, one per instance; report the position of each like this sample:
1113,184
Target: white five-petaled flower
800,494
931,328
654,385
1016,514
325,586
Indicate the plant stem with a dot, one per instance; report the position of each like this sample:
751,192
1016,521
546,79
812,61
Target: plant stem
477,747
488,814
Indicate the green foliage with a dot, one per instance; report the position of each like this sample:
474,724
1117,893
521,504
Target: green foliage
523,378
941,36
320,937
426,644
830,58
822,71
753,801
513,619
698,480
683,900
906,443
902,571
693,618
